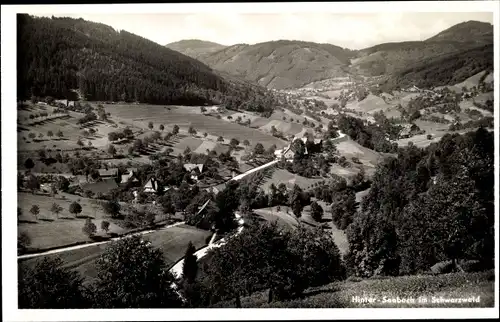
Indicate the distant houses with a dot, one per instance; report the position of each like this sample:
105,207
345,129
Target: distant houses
288,153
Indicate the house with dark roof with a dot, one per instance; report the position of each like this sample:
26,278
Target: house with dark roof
104,186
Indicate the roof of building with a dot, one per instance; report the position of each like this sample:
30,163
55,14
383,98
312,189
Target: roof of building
192,166
108,173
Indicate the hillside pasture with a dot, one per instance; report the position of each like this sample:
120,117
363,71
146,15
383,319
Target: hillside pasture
211,146
67,124
350,148
286,128
370,103
49,231
142,114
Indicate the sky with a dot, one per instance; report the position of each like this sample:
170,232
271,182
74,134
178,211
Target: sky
353,31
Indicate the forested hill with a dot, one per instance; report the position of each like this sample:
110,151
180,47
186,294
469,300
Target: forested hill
59,55
468,31
447,69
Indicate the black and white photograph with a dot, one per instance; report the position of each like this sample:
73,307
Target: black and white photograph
221,158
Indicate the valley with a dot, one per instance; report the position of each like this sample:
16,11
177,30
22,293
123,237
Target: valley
273,174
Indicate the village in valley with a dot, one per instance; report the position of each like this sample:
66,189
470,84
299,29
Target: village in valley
229,184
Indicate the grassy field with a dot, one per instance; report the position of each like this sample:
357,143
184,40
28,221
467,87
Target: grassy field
141,115
66,123
172,242
49,231
369,104
283,176
340,294
350,148
286,128
284,218
282,121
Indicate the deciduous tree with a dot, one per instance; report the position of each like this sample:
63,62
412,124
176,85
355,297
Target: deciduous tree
132,274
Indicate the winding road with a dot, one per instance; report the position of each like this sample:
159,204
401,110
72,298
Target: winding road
176,270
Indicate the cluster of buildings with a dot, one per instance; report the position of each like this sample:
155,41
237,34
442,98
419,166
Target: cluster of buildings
288,153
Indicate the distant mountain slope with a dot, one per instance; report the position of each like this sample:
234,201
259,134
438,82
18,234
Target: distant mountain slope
60,54
443,70
194,47
391,58
469,31
281,64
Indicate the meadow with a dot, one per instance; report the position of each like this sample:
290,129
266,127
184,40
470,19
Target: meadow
172,242
185,117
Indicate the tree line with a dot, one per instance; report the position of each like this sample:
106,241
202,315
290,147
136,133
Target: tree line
426,206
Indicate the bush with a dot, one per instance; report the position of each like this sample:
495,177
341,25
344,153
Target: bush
89,228
112,208
75,208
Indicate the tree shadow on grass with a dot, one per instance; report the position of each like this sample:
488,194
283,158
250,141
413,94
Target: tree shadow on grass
100,238
24,221
84,217
67,218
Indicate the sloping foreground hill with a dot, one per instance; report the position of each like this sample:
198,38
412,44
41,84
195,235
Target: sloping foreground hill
451,69
58,55
340,294
195,48
281,64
